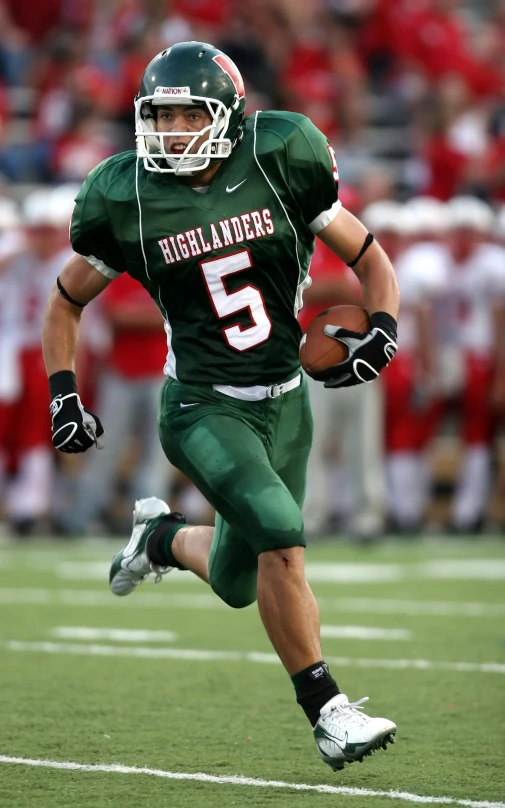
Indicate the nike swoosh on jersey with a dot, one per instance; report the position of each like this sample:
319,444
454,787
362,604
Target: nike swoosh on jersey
189,405
230,190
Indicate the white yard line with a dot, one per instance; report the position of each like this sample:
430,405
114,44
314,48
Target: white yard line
148,635
328,572
114,634
99,571
436,608
346,573
476,569
199,655
235,780
94,597
155,599
364,633
468,569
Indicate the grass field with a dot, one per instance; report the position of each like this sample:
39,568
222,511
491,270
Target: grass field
88,679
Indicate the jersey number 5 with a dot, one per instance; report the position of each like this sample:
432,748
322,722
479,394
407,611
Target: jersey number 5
226,303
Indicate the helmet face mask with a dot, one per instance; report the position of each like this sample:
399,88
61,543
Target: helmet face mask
189,74
151,143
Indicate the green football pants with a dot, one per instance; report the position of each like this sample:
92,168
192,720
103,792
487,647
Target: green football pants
249,460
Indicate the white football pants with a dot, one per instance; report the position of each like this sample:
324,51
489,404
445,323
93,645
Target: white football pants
354,417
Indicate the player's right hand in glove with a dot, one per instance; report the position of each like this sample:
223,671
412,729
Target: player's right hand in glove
74,428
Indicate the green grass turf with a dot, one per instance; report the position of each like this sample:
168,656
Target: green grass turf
237,717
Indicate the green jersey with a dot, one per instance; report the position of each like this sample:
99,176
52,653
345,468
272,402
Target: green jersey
227,264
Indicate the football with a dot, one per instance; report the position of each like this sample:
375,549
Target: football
318,352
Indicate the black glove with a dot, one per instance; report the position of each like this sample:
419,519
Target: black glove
74,428
369,353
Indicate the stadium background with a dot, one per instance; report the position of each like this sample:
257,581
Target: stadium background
410,95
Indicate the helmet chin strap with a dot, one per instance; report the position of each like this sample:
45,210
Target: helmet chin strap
190,166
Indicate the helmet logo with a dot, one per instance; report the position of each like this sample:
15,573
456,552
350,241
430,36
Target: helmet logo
172,91
231,69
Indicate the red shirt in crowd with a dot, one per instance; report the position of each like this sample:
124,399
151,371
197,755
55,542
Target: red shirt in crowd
136,352
324,266
36,18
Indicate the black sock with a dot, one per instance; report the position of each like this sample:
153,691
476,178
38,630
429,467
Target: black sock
314,686
158,544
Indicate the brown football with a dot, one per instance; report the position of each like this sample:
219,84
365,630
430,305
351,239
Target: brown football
318,352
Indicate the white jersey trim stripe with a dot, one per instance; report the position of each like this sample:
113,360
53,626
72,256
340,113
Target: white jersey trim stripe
325,218
140,217
101,267
169,368
297,304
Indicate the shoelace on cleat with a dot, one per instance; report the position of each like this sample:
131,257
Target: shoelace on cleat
350,711
159,572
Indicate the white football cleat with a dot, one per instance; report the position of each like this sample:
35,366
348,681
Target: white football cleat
343,734
131,565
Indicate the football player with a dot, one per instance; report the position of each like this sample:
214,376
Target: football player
45,251
470,311
410,381
216,216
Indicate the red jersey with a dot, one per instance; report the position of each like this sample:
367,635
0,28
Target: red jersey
325,265
135,352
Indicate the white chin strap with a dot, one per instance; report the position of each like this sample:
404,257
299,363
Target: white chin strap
151,144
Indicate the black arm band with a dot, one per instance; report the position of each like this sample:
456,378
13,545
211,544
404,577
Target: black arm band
366,244
62,383
383,320
63,292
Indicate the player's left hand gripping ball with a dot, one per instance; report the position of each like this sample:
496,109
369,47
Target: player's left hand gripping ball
369,353
74,428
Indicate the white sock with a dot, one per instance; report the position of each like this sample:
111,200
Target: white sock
474,486
406,473
29,495
340,494
193,505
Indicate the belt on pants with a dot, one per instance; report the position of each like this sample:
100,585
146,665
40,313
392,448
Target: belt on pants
258,392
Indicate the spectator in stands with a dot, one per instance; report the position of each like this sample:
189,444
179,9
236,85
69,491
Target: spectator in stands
14,48
456,149
81,148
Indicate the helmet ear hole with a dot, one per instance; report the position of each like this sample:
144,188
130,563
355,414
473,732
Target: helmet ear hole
147,111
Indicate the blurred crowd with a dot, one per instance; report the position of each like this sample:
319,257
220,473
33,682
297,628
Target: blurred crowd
411,94
410,91
447,380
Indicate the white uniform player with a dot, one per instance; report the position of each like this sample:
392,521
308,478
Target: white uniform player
471,335
410,381
45,217
10,335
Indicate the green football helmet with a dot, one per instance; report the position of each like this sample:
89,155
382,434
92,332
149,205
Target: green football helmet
189,73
